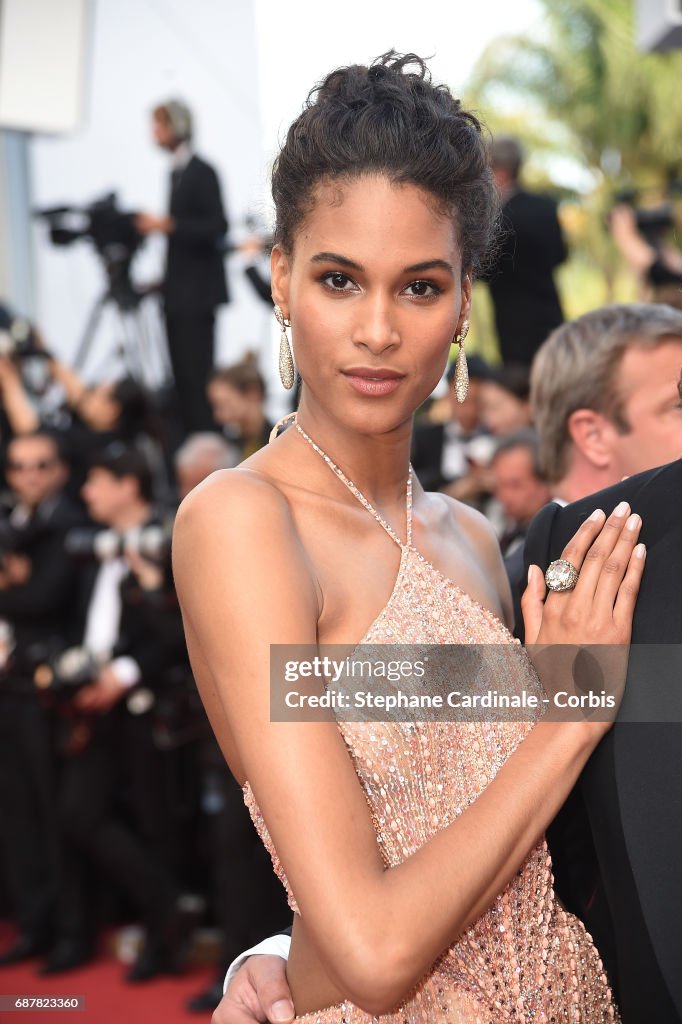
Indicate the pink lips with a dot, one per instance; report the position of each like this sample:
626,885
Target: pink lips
369,381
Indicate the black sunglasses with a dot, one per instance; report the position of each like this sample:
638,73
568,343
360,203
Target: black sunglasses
22,467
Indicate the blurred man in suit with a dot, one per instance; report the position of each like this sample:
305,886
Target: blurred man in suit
521,277
607,402
37,585
194,282
126,621
621,829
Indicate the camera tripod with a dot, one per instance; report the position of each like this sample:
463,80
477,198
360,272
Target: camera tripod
141,345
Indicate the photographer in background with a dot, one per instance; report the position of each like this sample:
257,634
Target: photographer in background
194,283
126,621
531,247
645,239
37,585
18,414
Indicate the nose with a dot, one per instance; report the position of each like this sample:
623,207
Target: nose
375,329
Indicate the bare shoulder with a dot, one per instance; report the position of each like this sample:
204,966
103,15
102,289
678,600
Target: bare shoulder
479,536
240,521
230,498
472,525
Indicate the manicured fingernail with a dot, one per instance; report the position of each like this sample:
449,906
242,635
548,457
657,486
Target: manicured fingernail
640,550
621,508
597,514
531,570
633,522
282,1010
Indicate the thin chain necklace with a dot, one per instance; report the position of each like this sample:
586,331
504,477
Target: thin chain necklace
360,496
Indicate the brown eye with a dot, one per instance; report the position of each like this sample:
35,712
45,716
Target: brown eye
423,289
338,282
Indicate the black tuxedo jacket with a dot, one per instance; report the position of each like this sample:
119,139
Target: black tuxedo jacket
521,279
195,265
624,818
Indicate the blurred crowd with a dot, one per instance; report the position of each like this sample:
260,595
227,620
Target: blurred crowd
119,802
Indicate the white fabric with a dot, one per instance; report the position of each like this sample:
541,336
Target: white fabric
453,463
275,945
104,611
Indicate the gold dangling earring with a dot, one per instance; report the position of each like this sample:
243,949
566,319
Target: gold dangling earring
286,360
461,378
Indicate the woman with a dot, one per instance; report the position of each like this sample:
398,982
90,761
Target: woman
236,395
420,874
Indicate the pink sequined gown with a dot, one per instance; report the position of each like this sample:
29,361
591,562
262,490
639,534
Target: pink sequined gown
526,960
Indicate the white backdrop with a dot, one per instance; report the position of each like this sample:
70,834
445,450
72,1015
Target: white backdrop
142,52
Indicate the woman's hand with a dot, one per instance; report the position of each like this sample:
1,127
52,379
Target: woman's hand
599,610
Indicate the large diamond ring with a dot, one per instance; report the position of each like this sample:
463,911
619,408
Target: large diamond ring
561,575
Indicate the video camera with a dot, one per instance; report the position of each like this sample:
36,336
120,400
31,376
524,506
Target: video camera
18,340
113,234
652,221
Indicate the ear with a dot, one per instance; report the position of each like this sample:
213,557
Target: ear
465,309
591,433
280,273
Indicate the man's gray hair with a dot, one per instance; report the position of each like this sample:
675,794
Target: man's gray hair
506,153
207,446
577,368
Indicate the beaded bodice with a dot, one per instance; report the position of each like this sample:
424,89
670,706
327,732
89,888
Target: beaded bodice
419,777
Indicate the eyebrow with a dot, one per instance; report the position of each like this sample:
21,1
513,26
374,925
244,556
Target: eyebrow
344,261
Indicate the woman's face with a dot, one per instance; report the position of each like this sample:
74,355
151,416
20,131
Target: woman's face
501,411
375,292
99,408
227,404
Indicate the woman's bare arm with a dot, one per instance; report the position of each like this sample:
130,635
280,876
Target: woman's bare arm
244,582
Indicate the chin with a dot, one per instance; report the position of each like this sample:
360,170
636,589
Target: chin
376,416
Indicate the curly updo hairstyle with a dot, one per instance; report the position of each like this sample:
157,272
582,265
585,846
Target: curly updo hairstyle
388,118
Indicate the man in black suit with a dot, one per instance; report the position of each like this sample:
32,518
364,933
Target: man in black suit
606,392
194,282
37,584
520,278
624,820
126,620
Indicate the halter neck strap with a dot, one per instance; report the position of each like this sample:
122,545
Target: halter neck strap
360,496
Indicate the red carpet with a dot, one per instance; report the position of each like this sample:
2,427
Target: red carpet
108,1000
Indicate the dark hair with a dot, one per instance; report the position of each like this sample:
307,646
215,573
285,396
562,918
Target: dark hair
122,461
43,433
514,378
527,439
388,118
135,406
244,377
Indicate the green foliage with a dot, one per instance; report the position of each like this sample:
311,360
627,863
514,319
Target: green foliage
594,90
578,90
